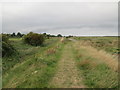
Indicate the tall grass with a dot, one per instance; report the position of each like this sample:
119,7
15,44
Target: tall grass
25,52
35,70
109,44
99,69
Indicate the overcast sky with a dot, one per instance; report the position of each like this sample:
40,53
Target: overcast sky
78,18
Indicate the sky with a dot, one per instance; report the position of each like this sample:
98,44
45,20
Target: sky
66,18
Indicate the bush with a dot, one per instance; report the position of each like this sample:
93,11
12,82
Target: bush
7,48
34,39
5,37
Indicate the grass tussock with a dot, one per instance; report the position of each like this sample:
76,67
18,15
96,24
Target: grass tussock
103,57
98,68
87,64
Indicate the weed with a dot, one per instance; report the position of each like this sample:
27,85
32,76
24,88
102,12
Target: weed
51,51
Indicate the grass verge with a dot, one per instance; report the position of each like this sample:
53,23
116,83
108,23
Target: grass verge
96,73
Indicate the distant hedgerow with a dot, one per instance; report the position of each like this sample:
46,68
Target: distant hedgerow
34,39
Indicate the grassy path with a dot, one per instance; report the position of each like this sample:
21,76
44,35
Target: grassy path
36,69
65,63
67,74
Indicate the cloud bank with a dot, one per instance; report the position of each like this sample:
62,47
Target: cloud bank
68,18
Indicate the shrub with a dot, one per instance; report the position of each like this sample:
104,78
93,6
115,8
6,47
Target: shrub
7,48
34,39
5,37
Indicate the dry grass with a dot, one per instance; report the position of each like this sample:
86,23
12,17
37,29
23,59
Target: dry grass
103,56
51,51
98,67
62,39
87,64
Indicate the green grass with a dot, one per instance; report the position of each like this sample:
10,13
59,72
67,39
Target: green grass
0,63
109,44
36,68
96,73
24,51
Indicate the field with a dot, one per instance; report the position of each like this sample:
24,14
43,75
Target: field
76,62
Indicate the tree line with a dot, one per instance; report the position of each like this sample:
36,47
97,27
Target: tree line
34,39
21,35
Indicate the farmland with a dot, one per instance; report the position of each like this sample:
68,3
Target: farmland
76,62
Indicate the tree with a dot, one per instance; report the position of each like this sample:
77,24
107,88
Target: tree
59,35
69,36
48,36
13,34
44,34
19,34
